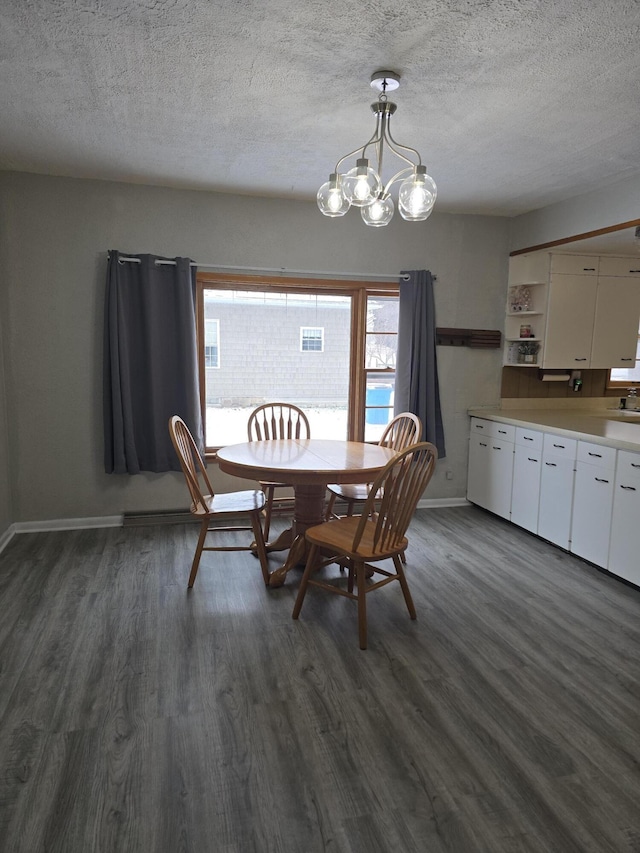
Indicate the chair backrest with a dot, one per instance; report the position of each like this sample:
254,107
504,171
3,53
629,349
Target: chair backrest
401,431
394,495
277,420
190,462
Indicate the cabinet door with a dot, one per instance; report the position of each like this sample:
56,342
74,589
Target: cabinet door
478,473
500,477
623,550
525,495
615,329
556,499
570,317
490,474
591,519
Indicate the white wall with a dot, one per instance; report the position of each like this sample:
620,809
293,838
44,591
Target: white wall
612,205
57,232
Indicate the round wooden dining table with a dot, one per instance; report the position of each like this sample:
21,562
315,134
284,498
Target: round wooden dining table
309,465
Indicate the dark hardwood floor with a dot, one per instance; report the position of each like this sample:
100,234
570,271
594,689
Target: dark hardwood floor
135,716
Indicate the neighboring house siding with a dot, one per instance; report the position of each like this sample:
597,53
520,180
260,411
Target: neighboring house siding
254,335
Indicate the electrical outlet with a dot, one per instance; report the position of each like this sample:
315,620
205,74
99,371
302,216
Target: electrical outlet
449,475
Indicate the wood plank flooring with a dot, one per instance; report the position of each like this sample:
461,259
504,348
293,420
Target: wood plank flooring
135,716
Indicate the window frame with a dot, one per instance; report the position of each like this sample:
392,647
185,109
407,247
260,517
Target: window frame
358,290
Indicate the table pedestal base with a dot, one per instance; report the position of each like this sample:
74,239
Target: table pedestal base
308,511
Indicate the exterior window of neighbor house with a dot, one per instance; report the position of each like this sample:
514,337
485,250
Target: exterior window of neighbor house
311,340
211,343
623,377
270,326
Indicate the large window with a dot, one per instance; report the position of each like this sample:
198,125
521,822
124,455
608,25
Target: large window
269,329
622,377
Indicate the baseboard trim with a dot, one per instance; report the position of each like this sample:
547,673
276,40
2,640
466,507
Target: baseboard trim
7,536
67,524
436,503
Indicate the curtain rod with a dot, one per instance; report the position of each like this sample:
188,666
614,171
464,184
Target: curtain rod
328,274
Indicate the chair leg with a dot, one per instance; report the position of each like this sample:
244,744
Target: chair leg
362,604
311,559
267,512
350,507
397,562
260,549
196,557
329,510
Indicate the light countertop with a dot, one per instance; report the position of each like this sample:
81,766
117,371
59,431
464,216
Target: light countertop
599,426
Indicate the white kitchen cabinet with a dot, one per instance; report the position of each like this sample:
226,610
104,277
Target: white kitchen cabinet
615,328
583,311
570,317
527,467
556,489
592,503
624,557
491,466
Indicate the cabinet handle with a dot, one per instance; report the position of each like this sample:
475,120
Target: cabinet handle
527,438
599,455
531,459
482,444
588,269
502,431
551,464
634,270
628,488
479,426
635,464
496,448
562,446
627,359
579,359
600,480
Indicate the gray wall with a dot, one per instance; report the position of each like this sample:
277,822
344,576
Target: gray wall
56,234
611,205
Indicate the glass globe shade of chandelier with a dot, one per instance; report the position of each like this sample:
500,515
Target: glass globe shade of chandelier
362,186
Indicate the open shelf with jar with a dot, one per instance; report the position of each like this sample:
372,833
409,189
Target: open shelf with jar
525,323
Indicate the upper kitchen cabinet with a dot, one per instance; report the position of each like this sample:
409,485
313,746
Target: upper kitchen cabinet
587,312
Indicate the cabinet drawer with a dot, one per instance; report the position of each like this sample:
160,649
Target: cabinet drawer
619,266
597,454
558,445
628,467
493,429
530,438
575,264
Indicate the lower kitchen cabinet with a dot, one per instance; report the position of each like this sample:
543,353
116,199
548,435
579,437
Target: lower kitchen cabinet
582,496
592,502
624,559
490,473
527,466
556,489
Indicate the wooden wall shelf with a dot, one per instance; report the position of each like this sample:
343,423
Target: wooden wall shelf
476,338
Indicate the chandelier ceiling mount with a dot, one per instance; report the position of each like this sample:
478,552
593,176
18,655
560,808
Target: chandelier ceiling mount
362,186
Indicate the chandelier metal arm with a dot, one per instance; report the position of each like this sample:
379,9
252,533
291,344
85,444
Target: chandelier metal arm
359,149
397,177
393,145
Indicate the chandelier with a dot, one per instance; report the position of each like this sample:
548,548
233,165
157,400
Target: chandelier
361,186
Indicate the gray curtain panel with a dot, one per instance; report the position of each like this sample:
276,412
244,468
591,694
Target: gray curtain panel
150,362
417,387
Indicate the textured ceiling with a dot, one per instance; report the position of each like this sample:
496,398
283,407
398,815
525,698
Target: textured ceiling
513,104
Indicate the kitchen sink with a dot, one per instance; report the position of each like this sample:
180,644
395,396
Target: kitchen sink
627,416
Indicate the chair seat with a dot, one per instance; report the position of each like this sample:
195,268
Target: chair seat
337,536
350,491
234,502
